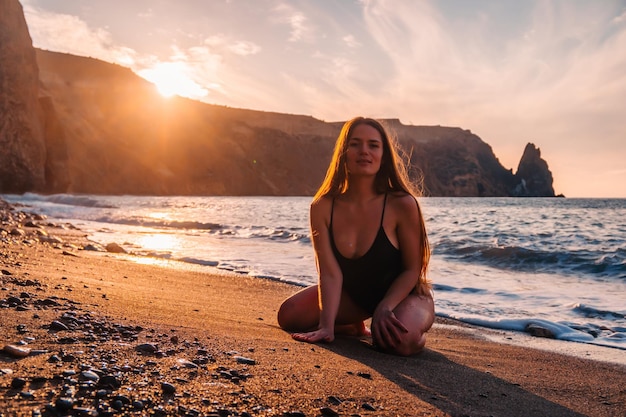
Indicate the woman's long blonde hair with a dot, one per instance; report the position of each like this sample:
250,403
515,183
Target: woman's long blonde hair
391,177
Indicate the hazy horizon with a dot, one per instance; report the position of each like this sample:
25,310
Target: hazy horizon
547,72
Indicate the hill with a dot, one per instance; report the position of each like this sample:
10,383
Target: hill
80,125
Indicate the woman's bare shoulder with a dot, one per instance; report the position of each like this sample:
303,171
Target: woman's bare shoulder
322,202
321,206
403,204
400,198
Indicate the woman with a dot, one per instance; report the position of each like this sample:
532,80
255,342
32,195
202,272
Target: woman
371,250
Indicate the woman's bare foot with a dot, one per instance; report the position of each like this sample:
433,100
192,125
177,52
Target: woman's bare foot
320,335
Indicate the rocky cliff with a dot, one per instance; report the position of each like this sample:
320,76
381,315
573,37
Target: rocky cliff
21,130
80,125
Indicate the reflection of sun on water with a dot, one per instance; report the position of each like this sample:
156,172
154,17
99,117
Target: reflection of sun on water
158,242
171,79
160,215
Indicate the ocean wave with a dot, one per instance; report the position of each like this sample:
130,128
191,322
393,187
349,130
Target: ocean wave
164,224
37,200
553,330
524,259
255,232
281,235
197,261
593,312
77,200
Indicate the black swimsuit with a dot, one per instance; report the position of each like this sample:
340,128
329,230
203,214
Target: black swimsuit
366,279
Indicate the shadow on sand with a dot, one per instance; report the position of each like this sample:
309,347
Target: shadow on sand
453,388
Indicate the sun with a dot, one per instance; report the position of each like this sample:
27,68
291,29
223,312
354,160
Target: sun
170,78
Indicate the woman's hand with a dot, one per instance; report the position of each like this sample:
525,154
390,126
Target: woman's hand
320,335
387,330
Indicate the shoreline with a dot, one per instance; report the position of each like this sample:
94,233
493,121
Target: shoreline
192,342
581,350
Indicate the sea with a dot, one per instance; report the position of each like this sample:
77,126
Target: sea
497,263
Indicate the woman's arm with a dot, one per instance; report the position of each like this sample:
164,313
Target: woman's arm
386,328
330,277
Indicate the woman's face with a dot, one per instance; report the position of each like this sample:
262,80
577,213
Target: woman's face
365,151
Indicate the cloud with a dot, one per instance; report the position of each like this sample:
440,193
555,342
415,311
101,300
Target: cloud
244,48
70,34
300,29
240,47
351,42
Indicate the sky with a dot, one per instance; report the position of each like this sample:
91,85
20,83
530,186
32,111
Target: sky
548,72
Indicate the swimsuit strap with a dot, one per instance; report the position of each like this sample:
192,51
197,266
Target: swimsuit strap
382,216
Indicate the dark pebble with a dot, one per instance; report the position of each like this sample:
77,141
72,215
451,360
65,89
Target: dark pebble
27,395
334,400
49,302
244,360
124,399
147,348
89,376
368,407
38,380
168,388
102,393
54,359
58,326
18,383
64,404
110,381
328,412
117,404
13,301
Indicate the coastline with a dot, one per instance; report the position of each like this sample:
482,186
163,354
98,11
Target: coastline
191,342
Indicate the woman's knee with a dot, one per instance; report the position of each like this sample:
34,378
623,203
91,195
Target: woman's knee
300,311
411,344
286,314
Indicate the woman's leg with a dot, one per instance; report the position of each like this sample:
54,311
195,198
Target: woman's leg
417,313
301,313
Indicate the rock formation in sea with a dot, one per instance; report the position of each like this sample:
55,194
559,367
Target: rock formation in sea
79,125
534,177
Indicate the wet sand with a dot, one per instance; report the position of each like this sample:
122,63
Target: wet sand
96,333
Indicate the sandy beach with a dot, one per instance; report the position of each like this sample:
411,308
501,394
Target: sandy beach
96,333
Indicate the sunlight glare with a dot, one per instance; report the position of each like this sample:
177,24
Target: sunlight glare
161,215
171,79
158,242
